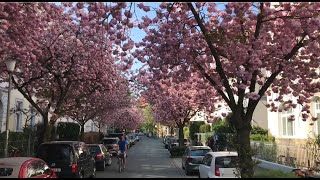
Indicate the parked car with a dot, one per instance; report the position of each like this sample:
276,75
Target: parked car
25,167
111,144
192,158
219,164
101,155
114,135
132,139
172,142
140,134
167,141
68,158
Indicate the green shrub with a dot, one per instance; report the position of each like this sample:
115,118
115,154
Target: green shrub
68,131
186,132
194,128
205,128
259,130
177,151
261,137
274,174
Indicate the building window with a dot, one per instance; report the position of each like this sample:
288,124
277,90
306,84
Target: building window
286,123
317,113
19,108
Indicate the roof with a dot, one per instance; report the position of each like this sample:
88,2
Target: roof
95,144
199,147
62,142
13,162
110,138
223,153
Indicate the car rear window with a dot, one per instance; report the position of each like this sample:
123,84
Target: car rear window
5,171
55,152
226,162
109,141
199,152
94,149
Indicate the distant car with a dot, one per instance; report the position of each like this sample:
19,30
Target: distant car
167,141
111,144
219,164
192,158
114,135
25,167
68,158
174,144
140,134
132,138
101,154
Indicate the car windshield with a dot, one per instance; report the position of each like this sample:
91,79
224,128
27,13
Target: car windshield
5,171
199,152
226,162
55,152
109,141
94,149
173,140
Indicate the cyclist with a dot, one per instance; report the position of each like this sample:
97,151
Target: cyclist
123,150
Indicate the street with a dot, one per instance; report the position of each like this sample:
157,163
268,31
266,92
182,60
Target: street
147,159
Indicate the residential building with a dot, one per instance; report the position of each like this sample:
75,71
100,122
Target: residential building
21,111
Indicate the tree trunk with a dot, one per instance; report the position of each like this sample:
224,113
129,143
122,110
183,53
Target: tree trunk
52,128
82,132
171,131
181,135
43,130
243,128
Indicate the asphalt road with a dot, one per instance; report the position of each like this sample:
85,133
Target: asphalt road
147,159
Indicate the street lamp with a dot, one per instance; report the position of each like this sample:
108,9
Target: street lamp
10,67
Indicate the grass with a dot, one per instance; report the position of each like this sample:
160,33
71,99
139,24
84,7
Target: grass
265,173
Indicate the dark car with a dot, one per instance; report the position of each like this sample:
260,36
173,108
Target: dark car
25,167
111,144
172,142
101,154
114,135
68,158
192,158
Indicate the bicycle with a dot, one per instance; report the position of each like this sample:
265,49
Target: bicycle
121,162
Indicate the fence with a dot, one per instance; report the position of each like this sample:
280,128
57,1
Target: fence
27,147
296,156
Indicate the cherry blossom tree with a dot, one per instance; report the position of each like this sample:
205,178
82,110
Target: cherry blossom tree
245,51
94,105
175,103
59,48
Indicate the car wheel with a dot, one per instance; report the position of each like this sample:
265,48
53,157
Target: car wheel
94,172
109,162
80,174
186,171
102,166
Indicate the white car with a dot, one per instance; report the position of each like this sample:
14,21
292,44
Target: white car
221,164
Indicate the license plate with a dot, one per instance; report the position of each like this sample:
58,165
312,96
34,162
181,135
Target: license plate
57,169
